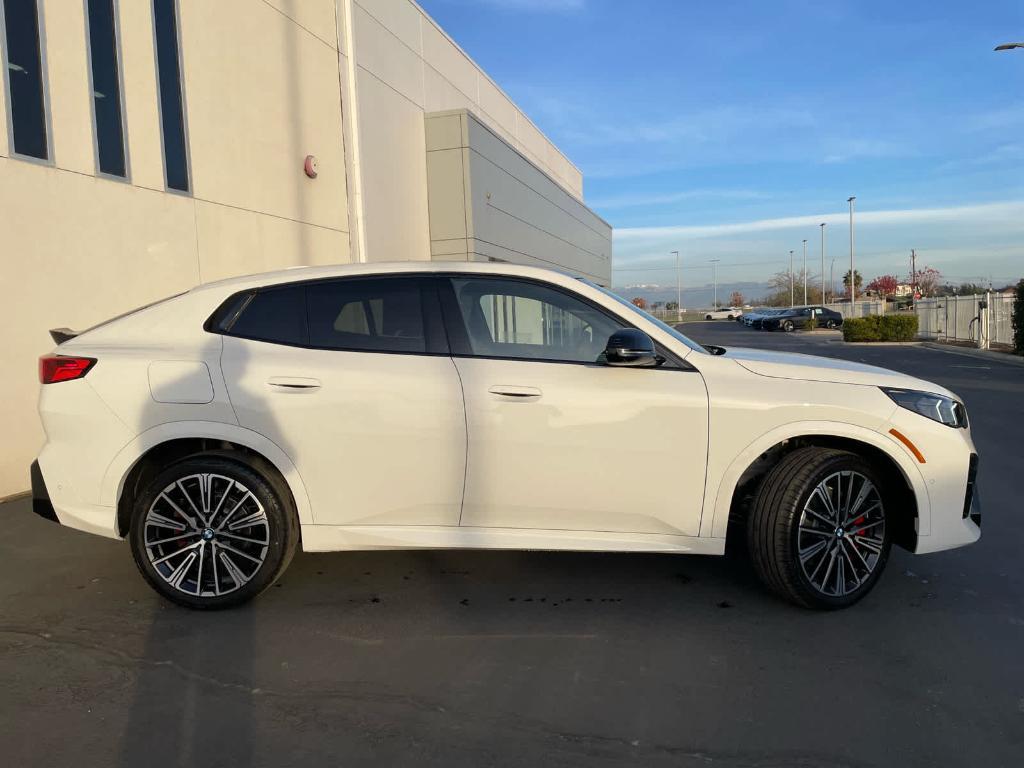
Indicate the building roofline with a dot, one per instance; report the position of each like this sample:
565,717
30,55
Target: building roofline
501,90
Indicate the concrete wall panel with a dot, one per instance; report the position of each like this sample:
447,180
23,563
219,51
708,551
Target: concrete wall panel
141,103
381,52
450,62
513,210
255,110
68,79
232,241
394,171
400,17
316,16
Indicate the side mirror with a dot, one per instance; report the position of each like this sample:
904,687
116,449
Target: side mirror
630,348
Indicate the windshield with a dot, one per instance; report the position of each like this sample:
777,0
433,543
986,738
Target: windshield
650,318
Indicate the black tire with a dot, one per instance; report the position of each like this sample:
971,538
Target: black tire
788,326
773,526
830,324
277,534
708,317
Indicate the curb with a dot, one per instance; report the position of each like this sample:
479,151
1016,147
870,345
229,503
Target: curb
977,354
882,343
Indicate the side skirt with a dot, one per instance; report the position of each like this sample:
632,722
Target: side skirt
340,538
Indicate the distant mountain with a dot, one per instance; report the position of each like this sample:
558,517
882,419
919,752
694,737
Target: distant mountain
695,297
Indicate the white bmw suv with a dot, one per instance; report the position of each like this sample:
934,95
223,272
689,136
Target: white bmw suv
491,406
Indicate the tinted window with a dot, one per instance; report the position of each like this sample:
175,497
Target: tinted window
106,87
24,75
384,315
509,318
274,314
172,113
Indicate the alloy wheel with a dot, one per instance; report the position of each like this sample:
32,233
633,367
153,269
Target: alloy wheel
841,537
206,535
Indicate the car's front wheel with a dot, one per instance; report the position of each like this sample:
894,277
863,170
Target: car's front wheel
818,531
788,326
212,532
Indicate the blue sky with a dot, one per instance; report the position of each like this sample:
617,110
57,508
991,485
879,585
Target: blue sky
730,130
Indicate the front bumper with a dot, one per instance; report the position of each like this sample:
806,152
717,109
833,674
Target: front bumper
41,503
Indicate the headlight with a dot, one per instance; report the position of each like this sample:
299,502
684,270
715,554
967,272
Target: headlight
944,410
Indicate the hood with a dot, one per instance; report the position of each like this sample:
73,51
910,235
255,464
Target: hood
788,365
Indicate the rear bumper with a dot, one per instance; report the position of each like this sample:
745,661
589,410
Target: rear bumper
56,500
41,503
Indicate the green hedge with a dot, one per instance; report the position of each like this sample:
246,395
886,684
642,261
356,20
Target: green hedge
880,328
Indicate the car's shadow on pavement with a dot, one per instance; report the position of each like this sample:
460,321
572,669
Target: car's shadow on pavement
378,656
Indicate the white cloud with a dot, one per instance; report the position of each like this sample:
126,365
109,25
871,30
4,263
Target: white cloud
844,150
1005,212
635,201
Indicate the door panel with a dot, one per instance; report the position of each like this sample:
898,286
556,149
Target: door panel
378,439
352,379
599,448
559,440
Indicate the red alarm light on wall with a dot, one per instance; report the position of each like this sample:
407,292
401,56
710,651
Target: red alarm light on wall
310,166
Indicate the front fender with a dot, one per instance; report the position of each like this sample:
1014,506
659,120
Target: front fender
718,496
113,480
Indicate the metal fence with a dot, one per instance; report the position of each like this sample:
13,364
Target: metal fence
957,318
860,308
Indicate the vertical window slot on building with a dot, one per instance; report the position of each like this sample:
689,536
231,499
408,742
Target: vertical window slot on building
172,114
106,88
24,77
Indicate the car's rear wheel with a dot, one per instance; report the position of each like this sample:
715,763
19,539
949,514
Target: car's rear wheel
211,532
708,317
818,531
788,326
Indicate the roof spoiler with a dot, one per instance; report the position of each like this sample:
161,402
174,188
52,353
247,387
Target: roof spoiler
60,335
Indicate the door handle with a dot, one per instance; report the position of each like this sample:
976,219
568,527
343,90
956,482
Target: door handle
515,392
293,384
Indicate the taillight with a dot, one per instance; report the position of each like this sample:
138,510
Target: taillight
56,368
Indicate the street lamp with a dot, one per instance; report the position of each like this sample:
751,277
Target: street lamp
832,278
805,273
792,289
1009,46
714,273
853,281
823,300
679,290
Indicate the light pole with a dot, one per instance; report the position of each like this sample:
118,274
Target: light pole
853,280
679,290
792,287
714,273
823,300
832,278
805,273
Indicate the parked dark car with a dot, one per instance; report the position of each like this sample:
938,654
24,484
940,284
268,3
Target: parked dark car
803,317
757,320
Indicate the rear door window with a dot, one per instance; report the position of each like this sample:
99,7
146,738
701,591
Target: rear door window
276,314
371,315
388,314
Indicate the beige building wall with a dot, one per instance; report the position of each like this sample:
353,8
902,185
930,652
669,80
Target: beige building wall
488,202
261,92
264,84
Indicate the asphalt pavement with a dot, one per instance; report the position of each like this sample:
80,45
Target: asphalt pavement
533,659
